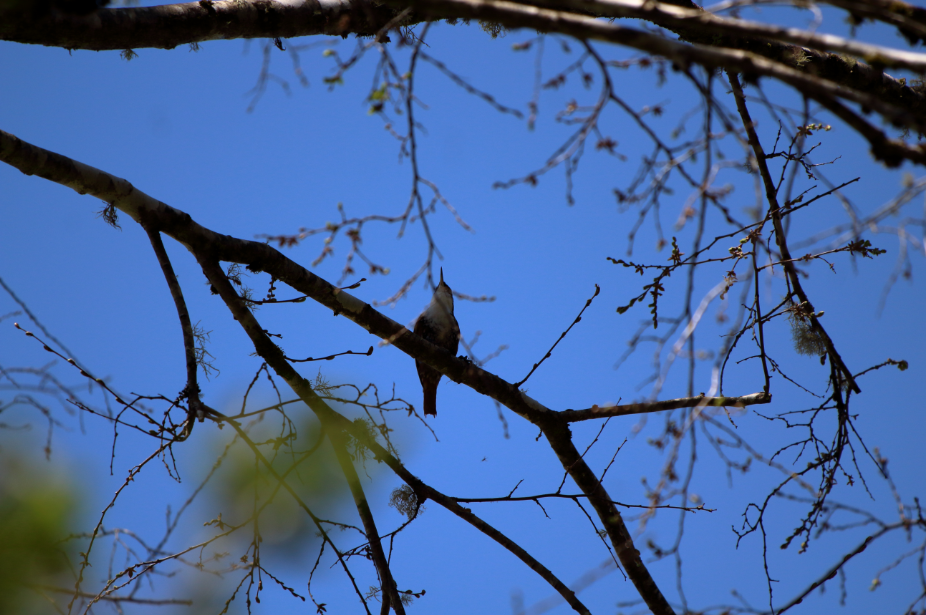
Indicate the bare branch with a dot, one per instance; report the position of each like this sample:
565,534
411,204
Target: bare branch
596,412
172,25
209,247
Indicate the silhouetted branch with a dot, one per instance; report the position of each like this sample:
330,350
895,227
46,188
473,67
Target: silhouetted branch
332,356
596,412
562,335
210,247
780,238
191,390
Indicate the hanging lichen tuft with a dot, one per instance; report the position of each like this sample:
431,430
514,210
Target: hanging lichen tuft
807,340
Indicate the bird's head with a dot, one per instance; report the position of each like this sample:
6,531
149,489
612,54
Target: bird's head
443,294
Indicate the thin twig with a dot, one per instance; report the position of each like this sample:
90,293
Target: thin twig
562,335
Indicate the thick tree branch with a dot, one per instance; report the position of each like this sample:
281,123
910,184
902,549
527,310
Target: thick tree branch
514,15
257,256
892,152
560,439
209,247
390,593
274,356
909,19
815,56
703,27
334,422
172,25
849,64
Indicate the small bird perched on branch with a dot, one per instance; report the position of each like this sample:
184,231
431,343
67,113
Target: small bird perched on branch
437,325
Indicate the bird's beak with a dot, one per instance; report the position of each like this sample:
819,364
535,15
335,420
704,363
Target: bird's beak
441,275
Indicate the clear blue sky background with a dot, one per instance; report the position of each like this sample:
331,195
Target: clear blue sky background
174,123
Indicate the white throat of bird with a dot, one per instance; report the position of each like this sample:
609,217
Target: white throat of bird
440,310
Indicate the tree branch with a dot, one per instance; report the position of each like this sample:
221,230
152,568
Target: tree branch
172,25
771,195
210,247
333,421
701,26
909,19
390,593
804,53
281,480
596,412
513,15
191,390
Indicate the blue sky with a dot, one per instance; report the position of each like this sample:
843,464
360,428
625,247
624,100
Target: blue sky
175,124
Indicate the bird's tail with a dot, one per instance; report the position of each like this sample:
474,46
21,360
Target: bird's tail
430,398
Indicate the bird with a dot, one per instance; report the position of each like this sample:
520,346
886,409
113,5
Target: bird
437,325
